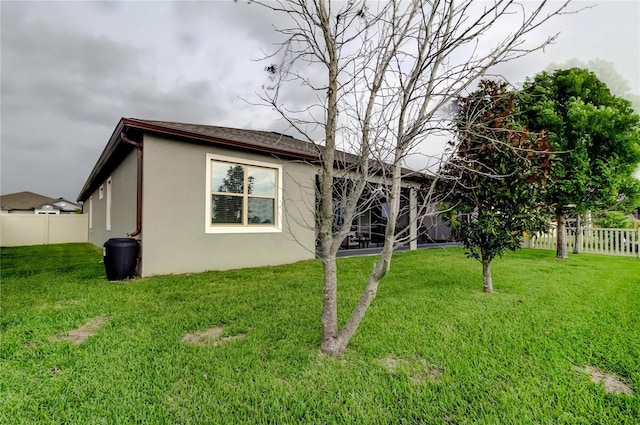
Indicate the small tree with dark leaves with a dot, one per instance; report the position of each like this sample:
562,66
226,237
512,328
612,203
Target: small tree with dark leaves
496,178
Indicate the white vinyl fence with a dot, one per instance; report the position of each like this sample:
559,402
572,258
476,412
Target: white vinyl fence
42,229
624,242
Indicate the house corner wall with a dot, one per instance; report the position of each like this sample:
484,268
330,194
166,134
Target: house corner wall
174,239
122,203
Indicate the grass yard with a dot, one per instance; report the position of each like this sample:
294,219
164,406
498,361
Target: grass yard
433,348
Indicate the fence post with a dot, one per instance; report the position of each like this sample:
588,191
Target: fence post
577,247
47,227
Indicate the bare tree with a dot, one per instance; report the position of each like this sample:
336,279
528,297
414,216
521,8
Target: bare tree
381,73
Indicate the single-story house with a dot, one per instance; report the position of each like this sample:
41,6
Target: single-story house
201,197
33,203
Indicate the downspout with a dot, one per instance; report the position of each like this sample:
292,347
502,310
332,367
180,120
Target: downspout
138,146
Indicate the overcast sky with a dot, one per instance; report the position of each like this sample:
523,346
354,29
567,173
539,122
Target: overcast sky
71,70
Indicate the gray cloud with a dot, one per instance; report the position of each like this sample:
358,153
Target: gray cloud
70,70
53,69
63,91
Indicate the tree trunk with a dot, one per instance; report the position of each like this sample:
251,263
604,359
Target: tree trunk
330,244
561,237
329,304
486,276
577,246
339,344
380,268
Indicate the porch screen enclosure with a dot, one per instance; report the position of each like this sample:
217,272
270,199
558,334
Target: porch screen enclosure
369,223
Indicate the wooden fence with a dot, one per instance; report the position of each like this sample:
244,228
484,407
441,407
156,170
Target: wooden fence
42,229
624,242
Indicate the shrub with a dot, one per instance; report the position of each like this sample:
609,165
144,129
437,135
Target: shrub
614,220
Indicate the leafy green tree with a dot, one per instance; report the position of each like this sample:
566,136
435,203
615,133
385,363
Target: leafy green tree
228,208
497,177
614,219
629,196
596,137
233,181
607,73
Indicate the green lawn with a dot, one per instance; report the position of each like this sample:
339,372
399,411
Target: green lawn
433,348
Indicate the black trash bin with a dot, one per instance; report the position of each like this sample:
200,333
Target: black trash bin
120,258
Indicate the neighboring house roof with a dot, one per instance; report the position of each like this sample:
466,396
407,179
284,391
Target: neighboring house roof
66,205
25,201
266,142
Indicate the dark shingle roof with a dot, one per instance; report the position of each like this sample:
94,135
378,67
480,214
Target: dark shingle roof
266,141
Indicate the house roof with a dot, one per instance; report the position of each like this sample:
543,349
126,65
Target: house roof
266,142
262,141
24,201
66,205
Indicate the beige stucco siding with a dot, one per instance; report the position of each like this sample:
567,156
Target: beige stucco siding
123,204
174,239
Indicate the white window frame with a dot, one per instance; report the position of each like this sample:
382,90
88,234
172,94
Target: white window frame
108,214
241,228
91,212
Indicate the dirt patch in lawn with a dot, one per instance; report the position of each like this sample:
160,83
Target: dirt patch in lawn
60,304
66,303
428,374
612,384
77,336
418,370
211,336
393,363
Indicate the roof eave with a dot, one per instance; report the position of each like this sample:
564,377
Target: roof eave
98,172
106,154
158,129
125,123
